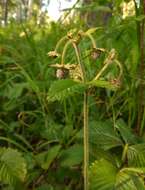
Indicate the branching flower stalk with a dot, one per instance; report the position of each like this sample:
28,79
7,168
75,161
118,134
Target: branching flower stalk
111,58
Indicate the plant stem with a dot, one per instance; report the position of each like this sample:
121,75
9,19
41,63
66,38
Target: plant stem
64,52
60,42
141,69
124,154
142,123
85,112
86,142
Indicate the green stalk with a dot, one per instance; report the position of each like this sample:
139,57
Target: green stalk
60,42
92,40
142,124
85,112
86,143
141,37
64,52
124,154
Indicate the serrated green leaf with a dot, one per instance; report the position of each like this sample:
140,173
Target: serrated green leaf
72,156
136,155
139,182
61,89
103,135
129,179
125,132
102,175
103,84
91,30
15,90
12,166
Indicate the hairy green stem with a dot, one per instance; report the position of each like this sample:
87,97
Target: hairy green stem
60,42
101,71
86,142
85,112
92,40
64,52
141,69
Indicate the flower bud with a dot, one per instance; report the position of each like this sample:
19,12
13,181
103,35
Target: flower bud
70,35
96,52
115,82
62,73
53,54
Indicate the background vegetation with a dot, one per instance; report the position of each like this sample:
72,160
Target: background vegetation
41,107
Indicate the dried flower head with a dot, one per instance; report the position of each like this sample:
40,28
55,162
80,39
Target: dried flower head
62,70
80,33
96,52
53,54
115,82
70,35
62,73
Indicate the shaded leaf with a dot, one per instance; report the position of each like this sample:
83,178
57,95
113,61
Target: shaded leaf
47,157
72,156
125,132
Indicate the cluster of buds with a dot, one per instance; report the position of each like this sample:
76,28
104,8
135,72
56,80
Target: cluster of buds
74,70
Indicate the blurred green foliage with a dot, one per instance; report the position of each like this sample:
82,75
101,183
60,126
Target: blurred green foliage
41,140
